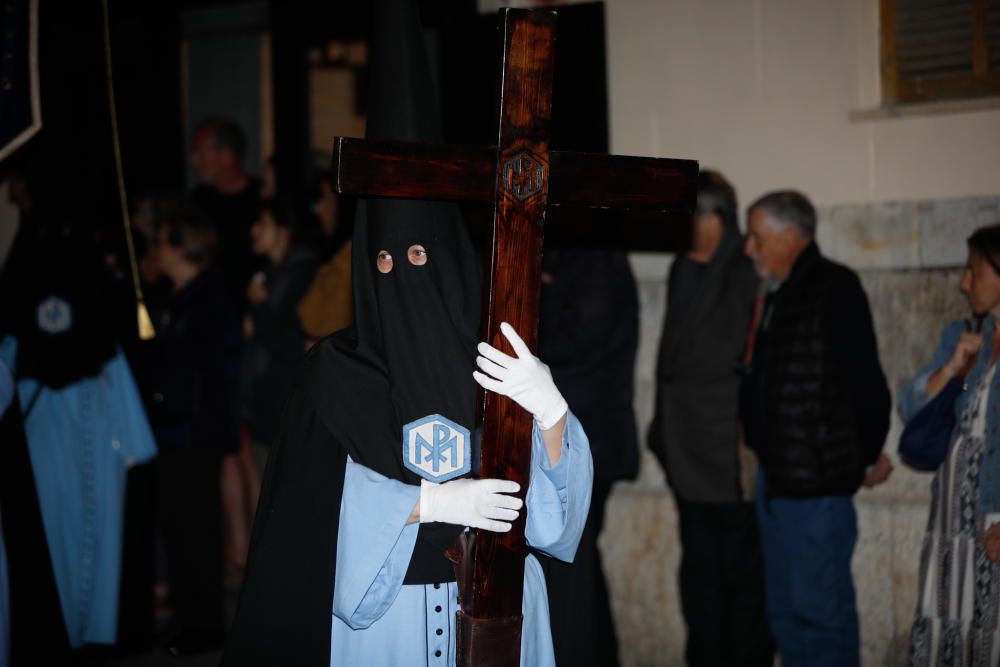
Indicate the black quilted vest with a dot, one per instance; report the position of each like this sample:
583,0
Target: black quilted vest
808,440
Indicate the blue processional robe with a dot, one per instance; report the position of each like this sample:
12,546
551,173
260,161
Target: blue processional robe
6,397
82,439
4,610
378,621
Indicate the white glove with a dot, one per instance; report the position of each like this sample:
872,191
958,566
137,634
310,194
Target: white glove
478,503
526,380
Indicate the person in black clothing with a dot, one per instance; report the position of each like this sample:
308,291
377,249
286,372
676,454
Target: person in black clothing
815,407
194,411
228,195
588,335
696,436
274,343
275,340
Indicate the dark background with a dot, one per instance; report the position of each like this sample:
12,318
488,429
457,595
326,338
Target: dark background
70,160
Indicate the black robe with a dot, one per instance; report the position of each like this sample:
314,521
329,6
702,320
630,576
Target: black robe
285,612
588,335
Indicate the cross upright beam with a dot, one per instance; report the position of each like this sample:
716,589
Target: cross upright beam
522,186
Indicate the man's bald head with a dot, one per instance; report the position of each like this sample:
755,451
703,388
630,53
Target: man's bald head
218,147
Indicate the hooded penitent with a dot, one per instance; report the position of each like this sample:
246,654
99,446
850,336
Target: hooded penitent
413,349
58,302
409,355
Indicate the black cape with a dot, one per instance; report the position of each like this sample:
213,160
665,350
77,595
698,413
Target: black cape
410,354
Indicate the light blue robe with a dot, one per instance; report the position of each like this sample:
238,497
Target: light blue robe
82,438
6,398
378,621
4,605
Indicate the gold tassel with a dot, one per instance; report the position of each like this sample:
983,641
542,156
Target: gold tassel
145,324
146,330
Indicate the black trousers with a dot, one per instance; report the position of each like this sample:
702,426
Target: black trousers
190,509
583,631
135,598
722,586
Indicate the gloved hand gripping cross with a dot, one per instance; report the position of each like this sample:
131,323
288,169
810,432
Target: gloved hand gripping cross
483,503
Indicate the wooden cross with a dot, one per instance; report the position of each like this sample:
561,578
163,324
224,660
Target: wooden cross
521,176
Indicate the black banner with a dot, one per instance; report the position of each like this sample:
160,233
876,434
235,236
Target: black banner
20,114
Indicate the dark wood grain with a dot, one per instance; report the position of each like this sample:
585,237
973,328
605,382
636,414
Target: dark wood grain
624,182
468,173
522,175
413,170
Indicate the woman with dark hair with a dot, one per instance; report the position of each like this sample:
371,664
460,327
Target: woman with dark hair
273,346
275,341
958,608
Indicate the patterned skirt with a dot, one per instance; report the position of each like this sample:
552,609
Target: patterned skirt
957,612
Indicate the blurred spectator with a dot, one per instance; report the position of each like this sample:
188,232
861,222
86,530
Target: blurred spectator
327,305
274,344
815,407
83,428
195,415
588,336
275,341
696,436
960,563
228,195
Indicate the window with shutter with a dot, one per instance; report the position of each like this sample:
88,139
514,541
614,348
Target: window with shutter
940,49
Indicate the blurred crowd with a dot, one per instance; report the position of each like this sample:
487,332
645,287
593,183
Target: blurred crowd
239,281
131,468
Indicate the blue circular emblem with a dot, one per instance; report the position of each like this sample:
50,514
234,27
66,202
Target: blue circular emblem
55,316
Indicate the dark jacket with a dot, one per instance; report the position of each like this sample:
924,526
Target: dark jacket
272,353
231,216
816,403
588,335
193,398
695,431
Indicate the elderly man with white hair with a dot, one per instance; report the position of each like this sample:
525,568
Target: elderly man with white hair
815,407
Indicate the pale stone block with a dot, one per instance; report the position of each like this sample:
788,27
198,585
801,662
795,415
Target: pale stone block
872,569
910,309
874,236
650,265
909,523
652,304
642,554
945,226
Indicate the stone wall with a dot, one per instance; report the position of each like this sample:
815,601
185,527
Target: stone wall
909,257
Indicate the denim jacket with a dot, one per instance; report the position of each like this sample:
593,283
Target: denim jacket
913,397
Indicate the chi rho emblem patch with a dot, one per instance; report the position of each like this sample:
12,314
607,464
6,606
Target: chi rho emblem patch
436,448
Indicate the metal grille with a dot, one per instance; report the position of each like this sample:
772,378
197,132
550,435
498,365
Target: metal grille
993,34
934,38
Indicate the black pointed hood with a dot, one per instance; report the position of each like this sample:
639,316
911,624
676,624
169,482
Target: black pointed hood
412,349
